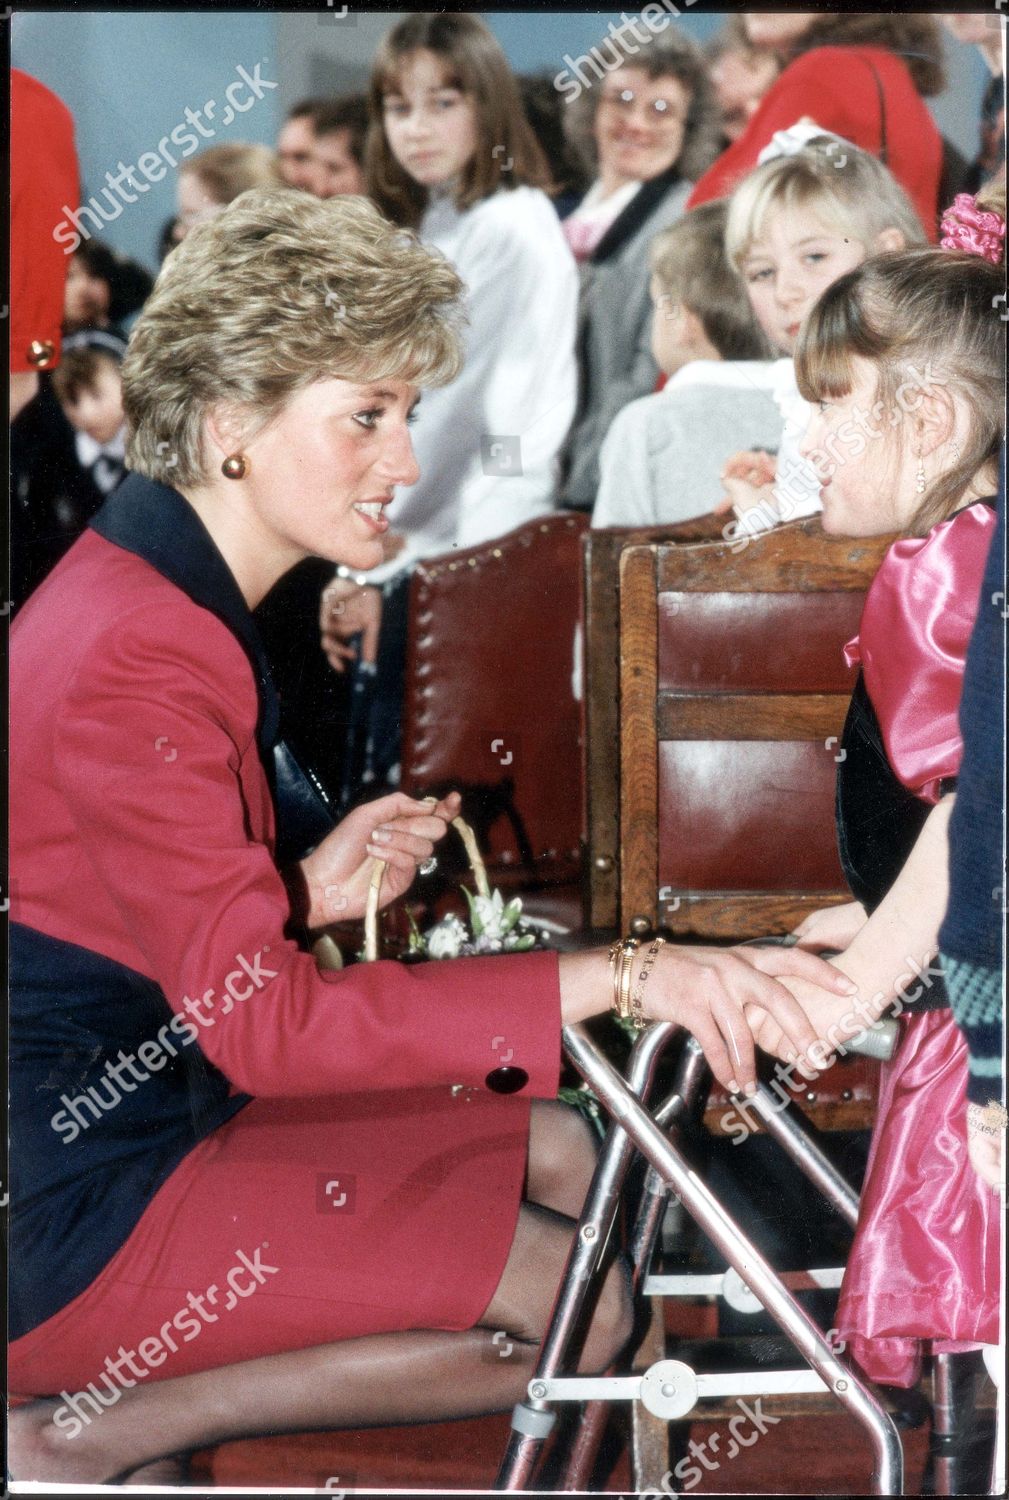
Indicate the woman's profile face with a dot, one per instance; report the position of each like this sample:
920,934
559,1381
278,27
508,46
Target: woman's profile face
639,125
795,257
322,474
429,122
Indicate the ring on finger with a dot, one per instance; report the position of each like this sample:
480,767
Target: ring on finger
428,866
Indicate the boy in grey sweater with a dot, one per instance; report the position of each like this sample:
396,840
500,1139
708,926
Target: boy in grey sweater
663,456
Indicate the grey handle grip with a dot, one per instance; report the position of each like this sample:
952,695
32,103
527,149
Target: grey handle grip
878,1040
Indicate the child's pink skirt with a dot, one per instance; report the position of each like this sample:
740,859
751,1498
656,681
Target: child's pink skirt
924,1269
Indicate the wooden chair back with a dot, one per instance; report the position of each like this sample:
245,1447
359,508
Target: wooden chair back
601,552
733,694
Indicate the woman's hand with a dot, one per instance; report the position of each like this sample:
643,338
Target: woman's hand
749,481
397,829
832,927
986,1146
347,609
835,1018
711,992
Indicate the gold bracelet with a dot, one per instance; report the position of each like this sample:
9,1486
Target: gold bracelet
621,957
637,1008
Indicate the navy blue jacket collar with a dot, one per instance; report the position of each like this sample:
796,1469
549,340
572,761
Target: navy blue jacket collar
159,525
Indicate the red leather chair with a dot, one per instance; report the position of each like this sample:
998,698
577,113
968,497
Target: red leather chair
492,700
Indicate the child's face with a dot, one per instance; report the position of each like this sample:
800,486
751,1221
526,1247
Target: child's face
98,407
865,457
796,257
195,204
85,298
671,349
430,124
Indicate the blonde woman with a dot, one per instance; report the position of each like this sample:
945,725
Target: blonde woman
198,1115
248,1196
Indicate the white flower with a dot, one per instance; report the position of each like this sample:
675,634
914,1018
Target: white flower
492,918
445,939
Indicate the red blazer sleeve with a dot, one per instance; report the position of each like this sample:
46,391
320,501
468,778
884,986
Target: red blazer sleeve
172,840
912,644
44,186
836,86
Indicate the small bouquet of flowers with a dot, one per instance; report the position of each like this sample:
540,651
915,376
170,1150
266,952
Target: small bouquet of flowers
494,927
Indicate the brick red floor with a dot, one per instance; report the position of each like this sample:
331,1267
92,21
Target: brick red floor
800,1456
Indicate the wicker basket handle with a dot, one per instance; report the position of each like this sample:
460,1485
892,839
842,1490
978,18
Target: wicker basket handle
476,864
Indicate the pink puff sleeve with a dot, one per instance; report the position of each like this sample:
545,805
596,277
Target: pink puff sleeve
912,645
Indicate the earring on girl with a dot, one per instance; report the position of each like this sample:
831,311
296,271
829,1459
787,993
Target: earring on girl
236,466
919,483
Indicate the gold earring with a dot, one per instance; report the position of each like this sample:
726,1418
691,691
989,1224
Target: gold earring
236,466
919,483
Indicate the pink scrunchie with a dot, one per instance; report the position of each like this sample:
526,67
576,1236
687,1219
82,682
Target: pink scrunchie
975,230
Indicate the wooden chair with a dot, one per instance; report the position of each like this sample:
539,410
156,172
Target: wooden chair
492,698
733,694
601,552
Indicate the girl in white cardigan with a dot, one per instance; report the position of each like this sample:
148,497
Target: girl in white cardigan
451,155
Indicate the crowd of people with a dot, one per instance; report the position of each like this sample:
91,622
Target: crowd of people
753,281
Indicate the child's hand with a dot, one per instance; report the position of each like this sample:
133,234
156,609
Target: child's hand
748,478
345,610
833,1017
833,927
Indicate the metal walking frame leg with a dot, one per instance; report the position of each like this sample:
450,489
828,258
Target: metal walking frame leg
689,1079
532,1421
668,1389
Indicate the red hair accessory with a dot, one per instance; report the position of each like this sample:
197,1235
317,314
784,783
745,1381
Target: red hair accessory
978,231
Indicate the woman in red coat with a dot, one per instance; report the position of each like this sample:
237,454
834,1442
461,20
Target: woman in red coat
248,1196
863,77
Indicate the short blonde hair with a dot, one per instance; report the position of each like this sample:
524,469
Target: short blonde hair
280,290
226,171
844,186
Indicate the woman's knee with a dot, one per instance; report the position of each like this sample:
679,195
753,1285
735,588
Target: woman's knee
562,1156
528,1286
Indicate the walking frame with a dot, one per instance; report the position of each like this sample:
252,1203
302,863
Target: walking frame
669,1389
